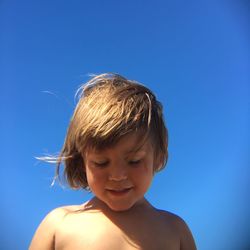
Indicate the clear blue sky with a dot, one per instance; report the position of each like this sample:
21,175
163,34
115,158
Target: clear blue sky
193,54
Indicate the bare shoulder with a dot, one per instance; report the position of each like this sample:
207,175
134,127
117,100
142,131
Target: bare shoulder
181,229
44,237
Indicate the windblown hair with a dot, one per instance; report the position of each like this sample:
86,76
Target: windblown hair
110,107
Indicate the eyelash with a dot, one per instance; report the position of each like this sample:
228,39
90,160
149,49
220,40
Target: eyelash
135,162
105,164
101,164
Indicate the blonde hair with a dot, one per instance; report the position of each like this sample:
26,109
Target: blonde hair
110,107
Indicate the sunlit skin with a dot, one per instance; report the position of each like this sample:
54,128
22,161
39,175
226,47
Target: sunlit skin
118,216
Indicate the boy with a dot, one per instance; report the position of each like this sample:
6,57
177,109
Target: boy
116,142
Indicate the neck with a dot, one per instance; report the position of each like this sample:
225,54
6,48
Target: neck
98,205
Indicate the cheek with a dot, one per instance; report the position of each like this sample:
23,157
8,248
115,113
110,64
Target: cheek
95,176
142,174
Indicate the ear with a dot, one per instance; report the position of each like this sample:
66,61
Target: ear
157,167
157,164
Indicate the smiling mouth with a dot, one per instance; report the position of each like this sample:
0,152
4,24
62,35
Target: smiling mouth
119,192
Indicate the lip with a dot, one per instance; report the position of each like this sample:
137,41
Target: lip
119,192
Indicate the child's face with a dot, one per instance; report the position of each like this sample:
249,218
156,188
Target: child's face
117,175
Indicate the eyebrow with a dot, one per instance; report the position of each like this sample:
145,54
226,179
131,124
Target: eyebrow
136,150
130,151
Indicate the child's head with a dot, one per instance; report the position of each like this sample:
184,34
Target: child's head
109,108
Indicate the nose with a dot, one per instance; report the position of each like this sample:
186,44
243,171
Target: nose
118,173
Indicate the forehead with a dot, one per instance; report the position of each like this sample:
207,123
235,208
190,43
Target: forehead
131,143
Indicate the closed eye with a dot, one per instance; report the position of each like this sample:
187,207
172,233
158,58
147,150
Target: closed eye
134,162
101,164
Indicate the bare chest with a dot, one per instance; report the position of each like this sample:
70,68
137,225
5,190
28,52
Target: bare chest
114,240
99,233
